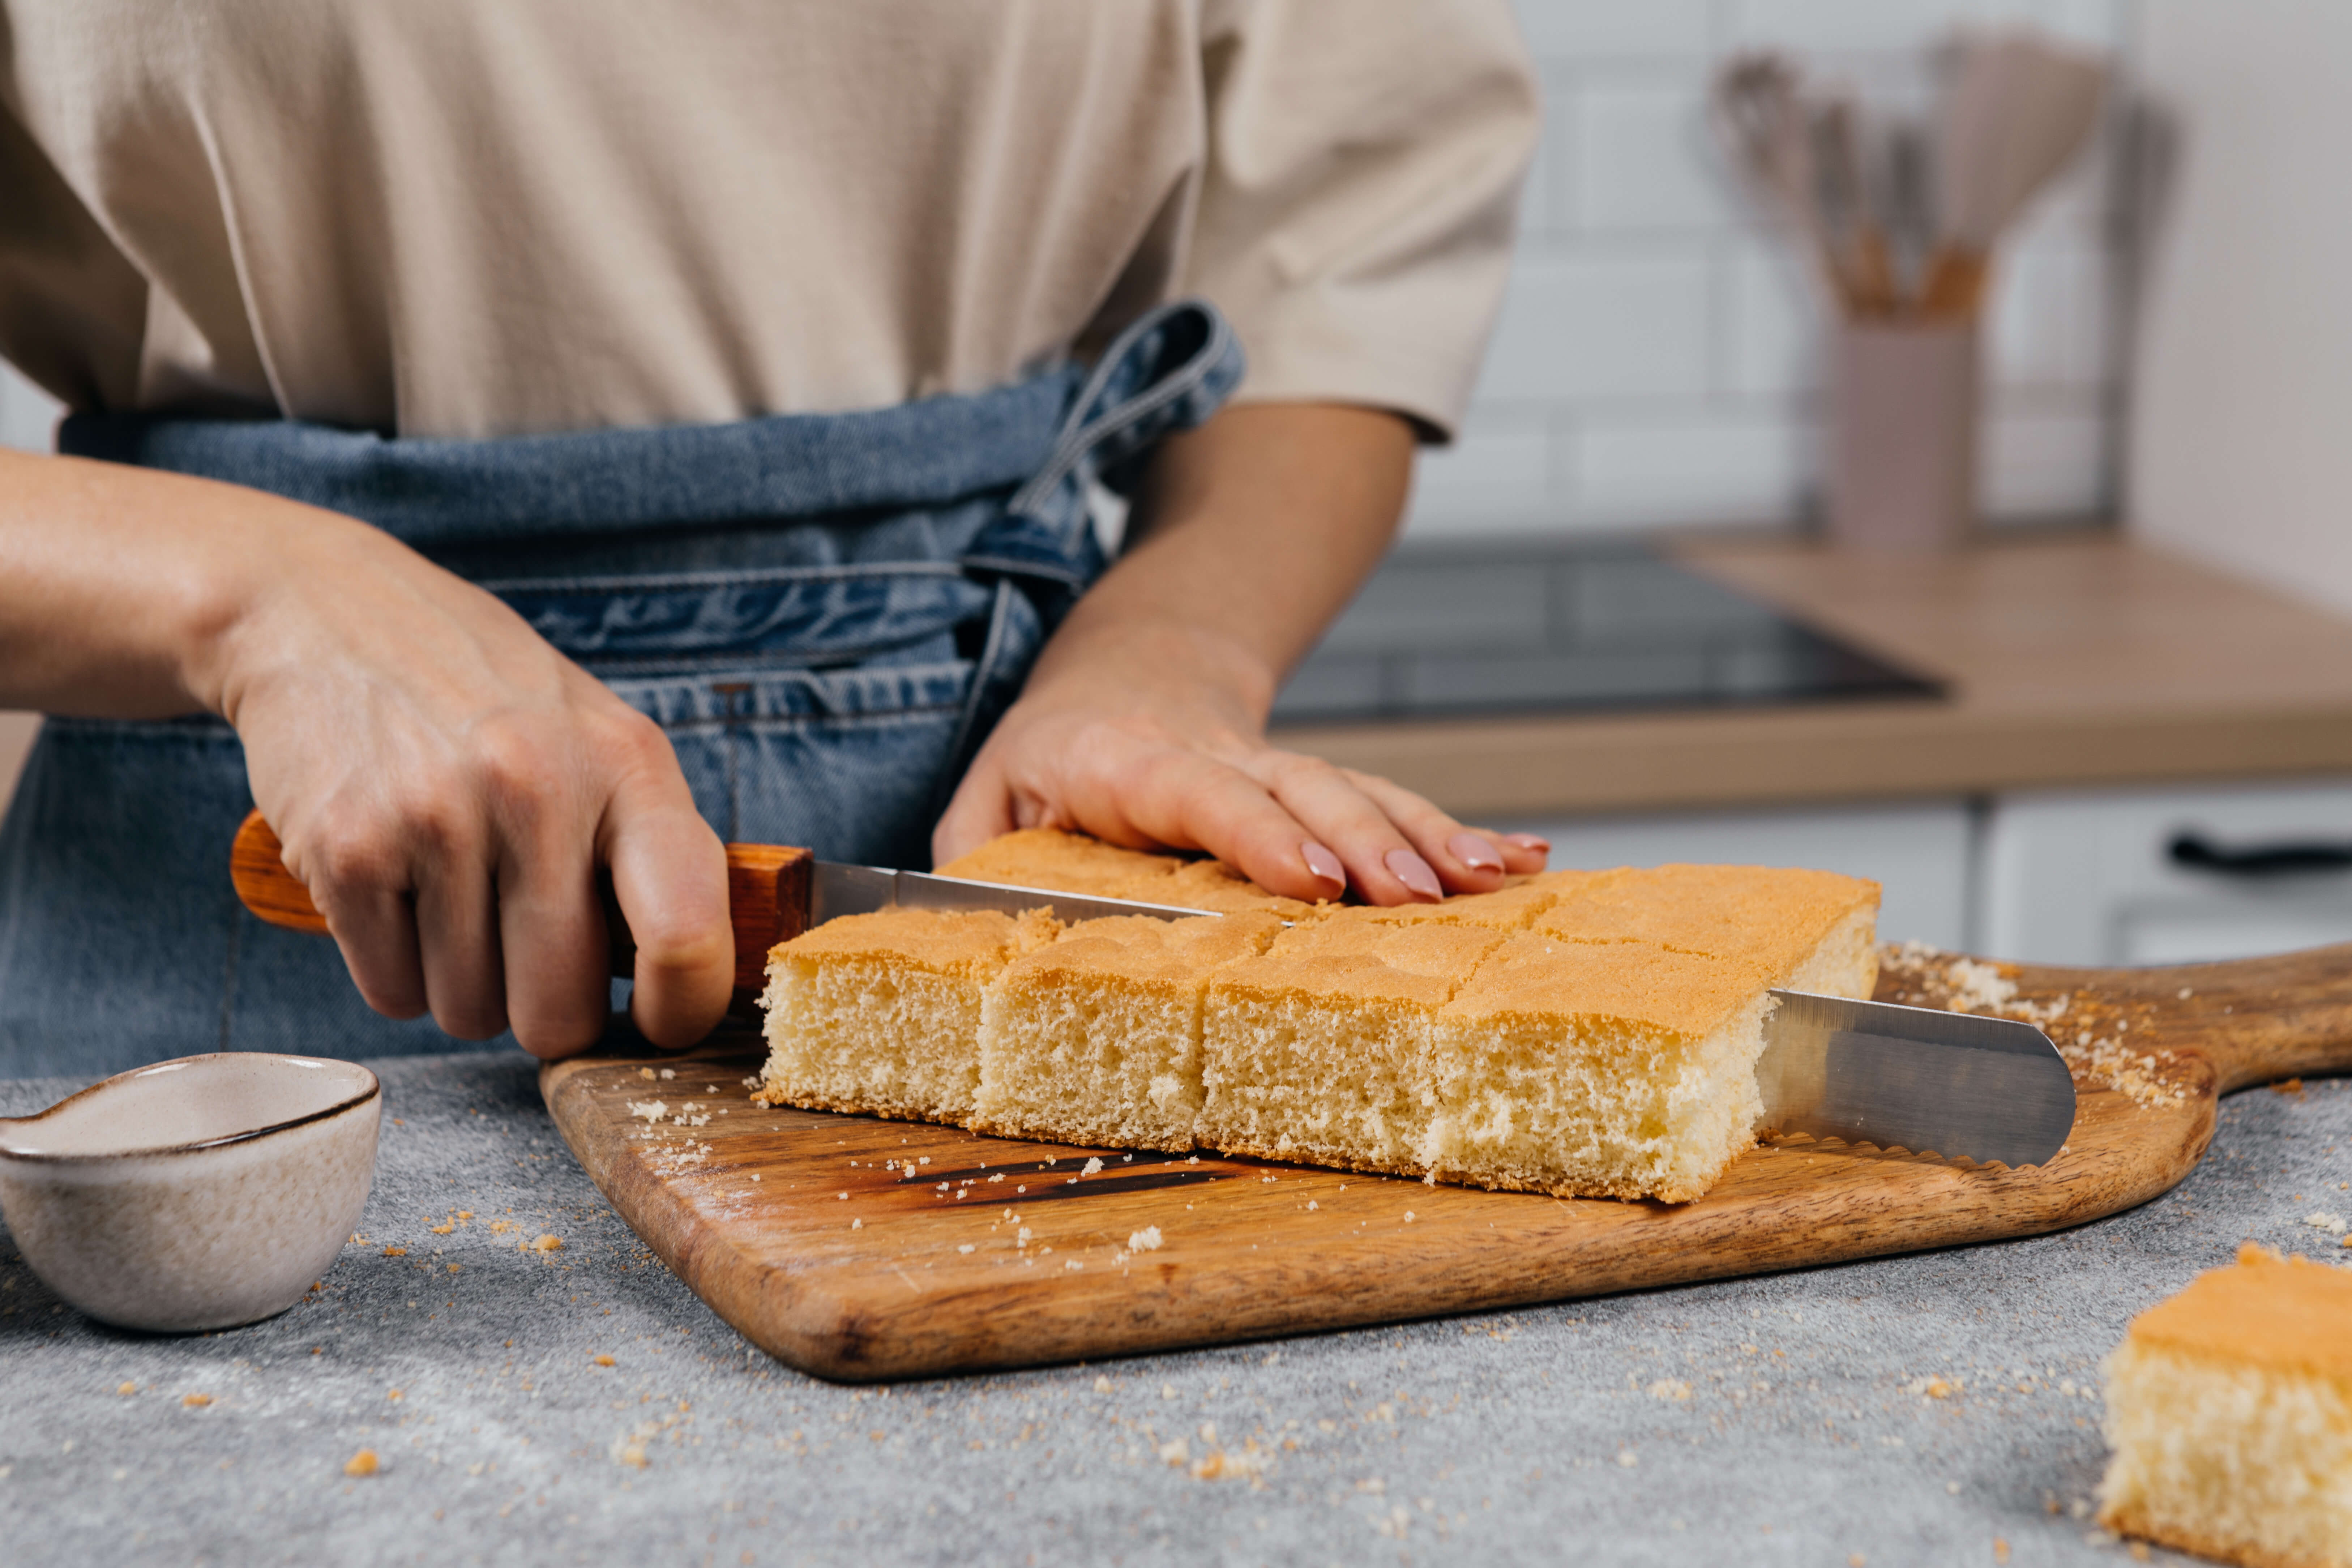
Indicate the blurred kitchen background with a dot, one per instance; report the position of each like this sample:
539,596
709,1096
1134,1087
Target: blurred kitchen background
2115,724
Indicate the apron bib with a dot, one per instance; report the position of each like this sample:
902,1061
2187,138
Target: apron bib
825,613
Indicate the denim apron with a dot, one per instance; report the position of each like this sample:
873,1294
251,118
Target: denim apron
825,613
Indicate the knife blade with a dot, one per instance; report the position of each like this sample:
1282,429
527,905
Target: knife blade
1960,1085
837,889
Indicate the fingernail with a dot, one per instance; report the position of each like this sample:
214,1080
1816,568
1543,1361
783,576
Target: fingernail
1475,852
1527,841
1323,864
1413,872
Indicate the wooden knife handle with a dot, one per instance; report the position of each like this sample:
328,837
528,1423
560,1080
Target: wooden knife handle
767,899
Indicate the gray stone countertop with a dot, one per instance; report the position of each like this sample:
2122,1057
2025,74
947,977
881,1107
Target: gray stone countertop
1785,1419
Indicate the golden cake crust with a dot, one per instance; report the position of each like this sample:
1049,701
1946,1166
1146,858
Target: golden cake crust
2285,1315
1353,953
966,942
1508,909
1148,951
1768,918
1649,988
1211,886
1062,862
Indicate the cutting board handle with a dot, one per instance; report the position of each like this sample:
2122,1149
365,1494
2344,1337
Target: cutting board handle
2258,1020
767,900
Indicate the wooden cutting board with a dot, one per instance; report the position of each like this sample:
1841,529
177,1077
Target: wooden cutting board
801,1230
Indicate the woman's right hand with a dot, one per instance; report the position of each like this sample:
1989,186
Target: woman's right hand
447,785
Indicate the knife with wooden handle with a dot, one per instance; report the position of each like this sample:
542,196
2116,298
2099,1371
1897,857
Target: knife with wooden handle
774,894
1965,1086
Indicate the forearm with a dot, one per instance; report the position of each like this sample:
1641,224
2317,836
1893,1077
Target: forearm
447,785
118,586
1250,534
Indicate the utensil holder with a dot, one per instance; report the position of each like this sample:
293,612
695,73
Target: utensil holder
1903,435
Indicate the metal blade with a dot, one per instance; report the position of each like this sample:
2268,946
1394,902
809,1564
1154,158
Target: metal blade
1955,1084
837,889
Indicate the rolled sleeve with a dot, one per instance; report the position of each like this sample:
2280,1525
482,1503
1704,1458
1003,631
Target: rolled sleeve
1357,211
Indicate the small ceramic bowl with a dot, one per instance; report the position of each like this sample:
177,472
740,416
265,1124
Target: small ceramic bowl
197,1194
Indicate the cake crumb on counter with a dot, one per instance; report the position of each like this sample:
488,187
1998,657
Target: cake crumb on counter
363,1463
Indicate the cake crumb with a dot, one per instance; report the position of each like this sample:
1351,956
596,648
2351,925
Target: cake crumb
127,1388
395,1252
363,1463
1148,1239
646,1072
2000,1549
669,1072
1669,1389
1092,1165
1102,1383
193,1400
968,1247
857,1224
603,1361
2333,1223
548,1243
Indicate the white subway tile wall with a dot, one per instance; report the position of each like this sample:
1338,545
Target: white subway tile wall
1658,361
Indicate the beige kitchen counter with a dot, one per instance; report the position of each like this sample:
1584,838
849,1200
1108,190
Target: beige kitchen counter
2075,659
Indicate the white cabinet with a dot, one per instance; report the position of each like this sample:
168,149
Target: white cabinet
1921,854
2094,878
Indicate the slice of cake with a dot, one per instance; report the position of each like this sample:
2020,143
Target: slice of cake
881,1012
1618,1070
1097,1038
1314,1051
2230,1412
1801,930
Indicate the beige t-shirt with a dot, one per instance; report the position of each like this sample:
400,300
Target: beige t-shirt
480,217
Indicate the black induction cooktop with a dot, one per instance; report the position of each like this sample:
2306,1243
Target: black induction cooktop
1524,629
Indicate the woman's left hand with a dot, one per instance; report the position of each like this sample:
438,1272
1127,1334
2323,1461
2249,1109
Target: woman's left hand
1143,723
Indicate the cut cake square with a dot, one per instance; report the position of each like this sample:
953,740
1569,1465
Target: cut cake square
1095,1038
881,1012
1618,1070
2230,1412
1801,930
1313,1051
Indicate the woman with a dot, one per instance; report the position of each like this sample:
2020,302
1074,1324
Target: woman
518,444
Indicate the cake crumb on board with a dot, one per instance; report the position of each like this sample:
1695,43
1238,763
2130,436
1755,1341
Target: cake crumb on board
364,1463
